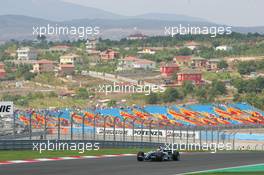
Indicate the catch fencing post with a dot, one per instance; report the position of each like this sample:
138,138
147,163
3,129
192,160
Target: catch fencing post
158,131
115,128
180,134
206,135
14,124
194,134
94,123
187,136
104,125
133,129
218,130
200,136
124,128
59,126
166,130
142,123
150,123
83,119
71,126
45,125
173,134
234,138
212,134
223,136
30,126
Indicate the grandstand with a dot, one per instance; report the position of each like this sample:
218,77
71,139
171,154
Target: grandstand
185,115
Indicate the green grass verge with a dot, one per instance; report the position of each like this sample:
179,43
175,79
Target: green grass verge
232,173
246,169
30,154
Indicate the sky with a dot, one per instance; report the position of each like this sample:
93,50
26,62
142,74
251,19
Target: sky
229,12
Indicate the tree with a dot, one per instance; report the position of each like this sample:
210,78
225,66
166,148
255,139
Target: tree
222,64
170,95
82,93
29,75
111,103
188,88
41,38
246,67
201,94
185,51
218,88
152,98
215,43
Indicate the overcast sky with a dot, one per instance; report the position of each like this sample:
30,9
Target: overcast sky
230,12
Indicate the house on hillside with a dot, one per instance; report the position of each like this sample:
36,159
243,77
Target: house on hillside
137,36
191,45
91,46
26,53
60,48
144,64
42,66
147,51
198,63
189,75
168,69
109,55
70,59
131,62
212,64
224,48
66,69
2,71
183,60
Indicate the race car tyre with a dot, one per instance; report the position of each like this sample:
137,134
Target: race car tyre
176,156
159,156
140,156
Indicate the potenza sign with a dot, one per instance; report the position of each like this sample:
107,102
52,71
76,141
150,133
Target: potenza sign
6,108
147,132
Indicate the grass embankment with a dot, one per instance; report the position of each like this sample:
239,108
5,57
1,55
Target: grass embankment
30,154
220,75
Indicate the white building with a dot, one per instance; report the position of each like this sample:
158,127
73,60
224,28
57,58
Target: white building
26,53
191,45
224,48
146,51
70,59
91,46
137,36
144,64
130,62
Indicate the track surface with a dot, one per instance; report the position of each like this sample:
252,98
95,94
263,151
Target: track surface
129,166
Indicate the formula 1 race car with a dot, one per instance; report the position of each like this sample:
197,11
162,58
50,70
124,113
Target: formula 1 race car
159,155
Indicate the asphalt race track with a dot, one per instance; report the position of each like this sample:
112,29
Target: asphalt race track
129,166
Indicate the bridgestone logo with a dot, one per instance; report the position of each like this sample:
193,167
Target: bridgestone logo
147,132
6,108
